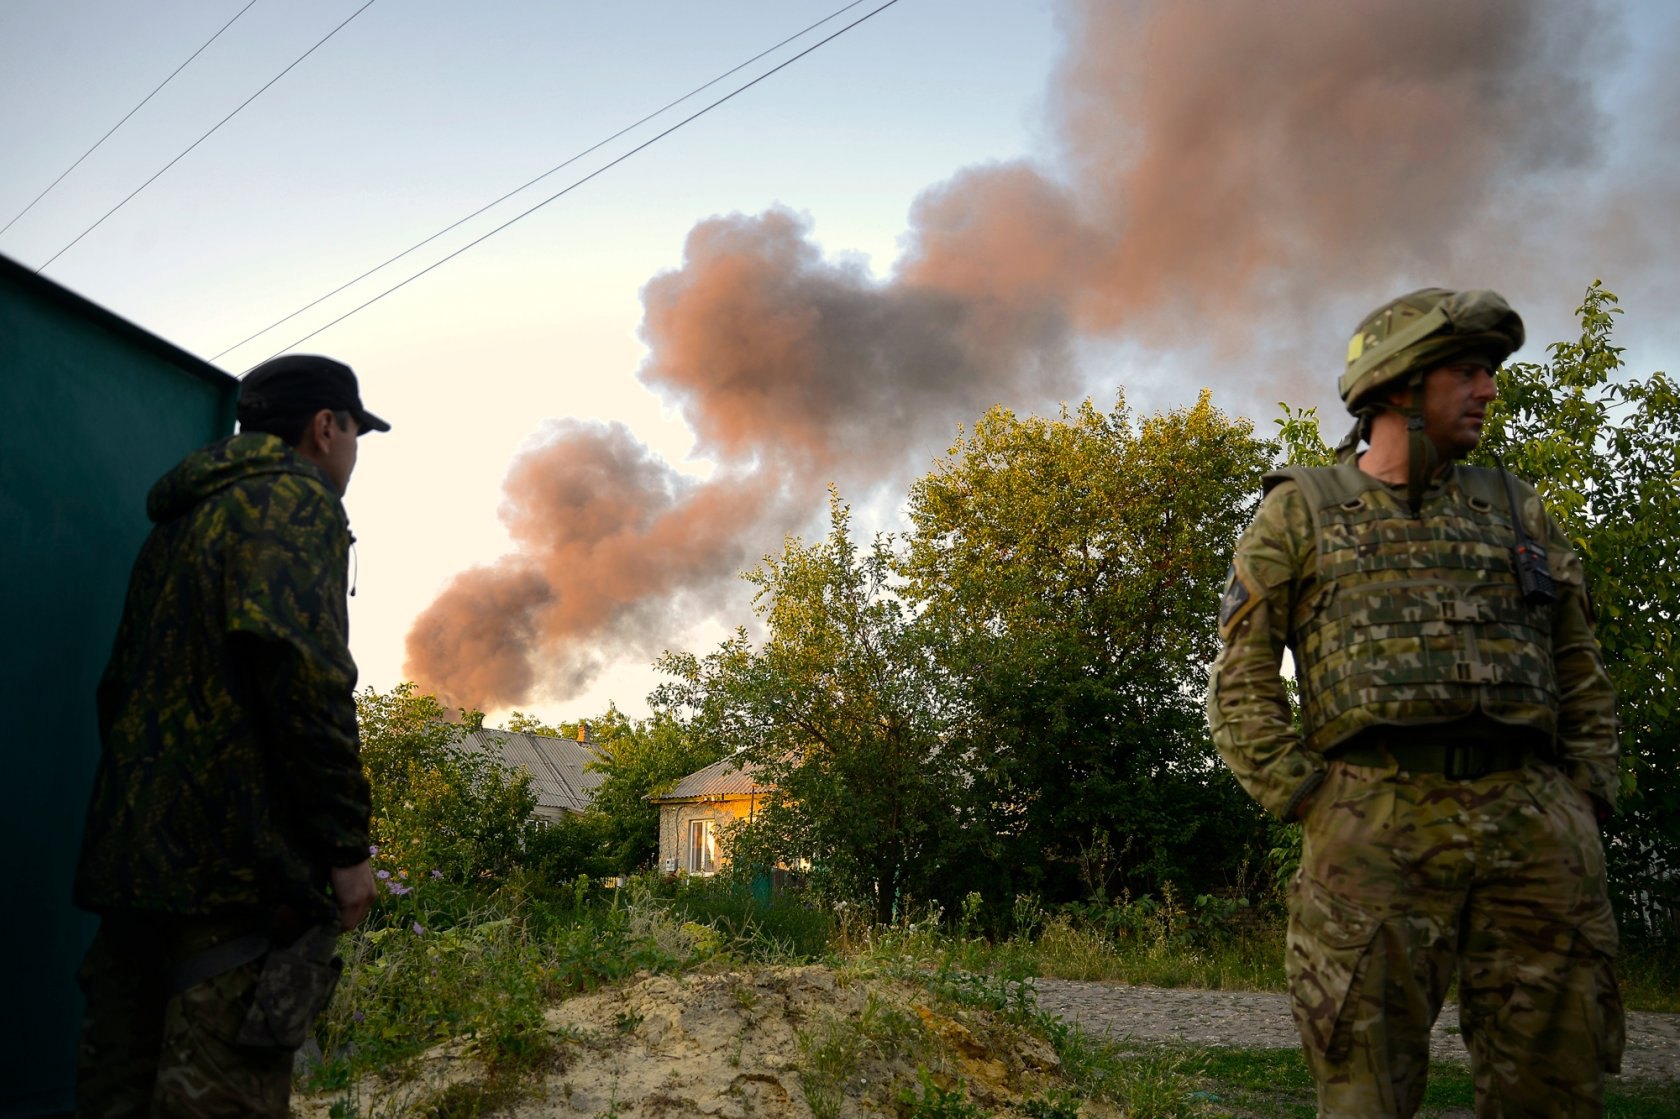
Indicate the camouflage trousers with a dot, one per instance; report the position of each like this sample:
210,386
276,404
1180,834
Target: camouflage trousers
146,1052
1409,878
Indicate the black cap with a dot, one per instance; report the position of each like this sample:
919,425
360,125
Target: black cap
300,385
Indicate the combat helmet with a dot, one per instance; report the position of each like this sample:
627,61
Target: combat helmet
1402,340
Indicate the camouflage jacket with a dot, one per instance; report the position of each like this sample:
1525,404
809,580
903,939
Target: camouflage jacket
230,778
1273,592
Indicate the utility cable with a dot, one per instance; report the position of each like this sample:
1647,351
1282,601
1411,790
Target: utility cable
519,189
593,174
207,135
130,113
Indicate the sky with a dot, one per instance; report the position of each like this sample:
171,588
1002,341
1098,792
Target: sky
605,412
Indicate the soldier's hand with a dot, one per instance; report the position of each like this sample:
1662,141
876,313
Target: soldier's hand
353,889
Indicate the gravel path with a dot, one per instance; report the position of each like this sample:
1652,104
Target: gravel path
1261,1020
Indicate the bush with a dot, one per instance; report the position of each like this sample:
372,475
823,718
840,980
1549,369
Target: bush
782,928
435,806
558,851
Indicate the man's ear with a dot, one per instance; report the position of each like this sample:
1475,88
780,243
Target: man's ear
317,435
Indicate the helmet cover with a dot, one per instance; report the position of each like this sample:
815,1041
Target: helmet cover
1424,329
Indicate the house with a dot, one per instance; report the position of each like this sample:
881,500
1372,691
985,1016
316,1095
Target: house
559,767
692,813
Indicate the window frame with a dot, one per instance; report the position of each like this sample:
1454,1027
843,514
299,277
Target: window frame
702,846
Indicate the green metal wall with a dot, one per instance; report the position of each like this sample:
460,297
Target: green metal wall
92,411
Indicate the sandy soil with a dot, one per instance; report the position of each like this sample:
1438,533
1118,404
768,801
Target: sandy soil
755,1042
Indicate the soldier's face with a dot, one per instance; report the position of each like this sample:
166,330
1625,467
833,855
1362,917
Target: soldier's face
338,451
1455,401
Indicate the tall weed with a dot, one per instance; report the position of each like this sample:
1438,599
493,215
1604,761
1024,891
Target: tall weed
783,928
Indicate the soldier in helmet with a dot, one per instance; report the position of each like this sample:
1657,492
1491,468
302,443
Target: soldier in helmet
1457,741
226,841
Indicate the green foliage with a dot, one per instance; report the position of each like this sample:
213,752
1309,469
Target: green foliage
1603,448
843,711
444,961
1648,970
575,844
596,953
521,723
1299,440
784,928
830,1053
638,759
1145,1083
929,1101
435,806
1071,569
1056,1104
833,1048
408,986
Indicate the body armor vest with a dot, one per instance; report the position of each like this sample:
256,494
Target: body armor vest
1420,619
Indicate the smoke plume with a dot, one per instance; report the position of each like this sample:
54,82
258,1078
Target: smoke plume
1229,171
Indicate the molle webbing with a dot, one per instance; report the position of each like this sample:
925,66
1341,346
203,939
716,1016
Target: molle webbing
1416,620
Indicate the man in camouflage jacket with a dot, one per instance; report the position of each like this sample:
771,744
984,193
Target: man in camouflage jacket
1457,740
229,813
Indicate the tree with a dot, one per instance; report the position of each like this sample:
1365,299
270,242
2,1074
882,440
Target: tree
641,759
1603,448
1072,567
521,723
437,807
844,711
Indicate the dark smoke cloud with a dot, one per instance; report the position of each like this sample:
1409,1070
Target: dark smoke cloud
1231,171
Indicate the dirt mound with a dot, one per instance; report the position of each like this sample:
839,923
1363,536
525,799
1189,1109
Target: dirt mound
762,1042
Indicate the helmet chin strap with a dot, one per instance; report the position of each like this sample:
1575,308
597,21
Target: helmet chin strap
1347,451
1421,456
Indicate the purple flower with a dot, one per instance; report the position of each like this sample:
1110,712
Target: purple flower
437,874
373,850
398,888
382,875
358,1016
419,929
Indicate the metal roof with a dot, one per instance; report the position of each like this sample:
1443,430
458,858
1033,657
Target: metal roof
720,779
558,766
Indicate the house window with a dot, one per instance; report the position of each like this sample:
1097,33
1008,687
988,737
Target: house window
702,847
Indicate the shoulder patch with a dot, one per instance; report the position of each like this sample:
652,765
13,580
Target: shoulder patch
1238,601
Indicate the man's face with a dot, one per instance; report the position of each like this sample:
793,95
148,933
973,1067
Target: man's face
339,458
1455,400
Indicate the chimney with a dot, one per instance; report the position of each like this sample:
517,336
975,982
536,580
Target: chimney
583,731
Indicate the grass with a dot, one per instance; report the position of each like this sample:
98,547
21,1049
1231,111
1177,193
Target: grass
1215,946
480,966
835,1049
1174,1082
1650,976
1144,942
785,928
439,965
1275,1082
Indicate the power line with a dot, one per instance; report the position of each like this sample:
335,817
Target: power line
593,174
518,189
130,113
206,136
